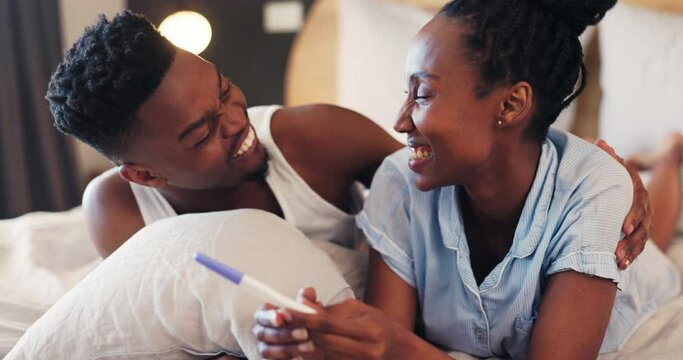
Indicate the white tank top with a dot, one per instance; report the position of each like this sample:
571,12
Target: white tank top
302,207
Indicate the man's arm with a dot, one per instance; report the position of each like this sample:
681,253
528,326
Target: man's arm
111,212
661,5
331,147
639,220
573,317
337,140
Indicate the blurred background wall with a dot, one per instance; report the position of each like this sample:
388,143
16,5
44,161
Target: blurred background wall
75,15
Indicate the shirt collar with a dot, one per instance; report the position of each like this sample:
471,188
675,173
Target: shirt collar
531,222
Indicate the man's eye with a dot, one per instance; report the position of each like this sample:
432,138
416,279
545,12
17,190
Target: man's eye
202,141
209,132
225,94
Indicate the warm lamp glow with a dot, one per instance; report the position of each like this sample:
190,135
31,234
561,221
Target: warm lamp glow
187,30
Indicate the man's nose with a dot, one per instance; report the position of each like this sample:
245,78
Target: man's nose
231,124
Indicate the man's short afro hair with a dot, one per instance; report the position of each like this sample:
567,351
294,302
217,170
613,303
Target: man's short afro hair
109,72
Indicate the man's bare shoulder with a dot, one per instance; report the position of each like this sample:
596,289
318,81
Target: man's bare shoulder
111,212
318,119
332,138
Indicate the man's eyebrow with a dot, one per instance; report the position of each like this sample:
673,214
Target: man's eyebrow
208,116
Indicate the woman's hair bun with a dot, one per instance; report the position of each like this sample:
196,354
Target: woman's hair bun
577,14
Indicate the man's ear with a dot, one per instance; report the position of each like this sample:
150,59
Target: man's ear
516,105
141,175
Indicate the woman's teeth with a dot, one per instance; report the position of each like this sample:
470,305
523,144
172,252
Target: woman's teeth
247,143
420,153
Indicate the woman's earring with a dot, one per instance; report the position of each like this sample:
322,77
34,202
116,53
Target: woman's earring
500,122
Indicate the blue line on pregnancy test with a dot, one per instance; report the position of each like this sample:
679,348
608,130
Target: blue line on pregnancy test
257,288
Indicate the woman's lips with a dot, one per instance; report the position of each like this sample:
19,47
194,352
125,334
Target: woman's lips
420,152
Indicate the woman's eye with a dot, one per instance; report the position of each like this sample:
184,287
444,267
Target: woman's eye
422,98
417,96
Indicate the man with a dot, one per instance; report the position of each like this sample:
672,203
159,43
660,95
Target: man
184,142
173,123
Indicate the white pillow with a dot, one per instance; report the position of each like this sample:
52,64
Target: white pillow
641,77
374,38
150,300
641,53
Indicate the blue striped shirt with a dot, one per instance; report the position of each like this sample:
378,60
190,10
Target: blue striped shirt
571,220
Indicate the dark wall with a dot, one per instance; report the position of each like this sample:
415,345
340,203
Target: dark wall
240,48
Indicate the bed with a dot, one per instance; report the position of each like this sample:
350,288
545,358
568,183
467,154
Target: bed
43,255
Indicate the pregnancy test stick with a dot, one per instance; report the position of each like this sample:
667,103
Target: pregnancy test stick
255,287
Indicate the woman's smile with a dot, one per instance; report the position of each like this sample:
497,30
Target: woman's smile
419,156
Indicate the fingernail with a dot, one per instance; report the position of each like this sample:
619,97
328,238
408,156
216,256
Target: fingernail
627,262
300,295
273,318
620,254
285,314
300,334
629,229
306,347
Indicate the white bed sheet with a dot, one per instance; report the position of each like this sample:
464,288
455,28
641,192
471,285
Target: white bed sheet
42,255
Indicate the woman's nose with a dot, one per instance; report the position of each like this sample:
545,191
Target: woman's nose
404,122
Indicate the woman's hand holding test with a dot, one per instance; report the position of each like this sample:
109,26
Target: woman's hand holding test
348,330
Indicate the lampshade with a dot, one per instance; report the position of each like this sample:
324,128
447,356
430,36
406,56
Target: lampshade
187,30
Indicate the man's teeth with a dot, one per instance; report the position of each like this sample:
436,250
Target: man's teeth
420,153
247,143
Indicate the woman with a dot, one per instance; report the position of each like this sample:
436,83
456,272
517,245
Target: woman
491,235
